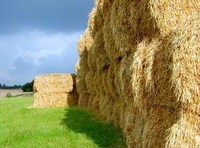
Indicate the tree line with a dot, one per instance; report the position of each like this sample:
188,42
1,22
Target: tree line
28,87
4,86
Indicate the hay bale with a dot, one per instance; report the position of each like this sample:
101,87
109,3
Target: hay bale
139,66
84,99
51,82
55,90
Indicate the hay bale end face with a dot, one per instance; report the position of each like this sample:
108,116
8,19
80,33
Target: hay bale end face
139,67
54,90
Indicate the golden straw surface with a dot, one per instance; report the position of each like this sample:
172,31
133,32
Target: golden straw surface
55,90
139,67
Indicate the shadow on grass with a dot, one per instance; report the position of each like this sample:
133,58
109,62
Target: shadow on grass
103,134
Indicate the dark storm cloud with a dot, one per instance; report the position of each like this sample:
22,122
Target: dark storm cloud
49,15
40,36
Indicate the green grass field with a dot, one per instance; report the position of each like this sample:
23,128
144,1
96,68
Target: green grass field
72,127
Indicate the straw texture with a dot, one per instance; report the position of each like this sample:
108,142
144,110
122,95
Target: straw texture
139,67
55,90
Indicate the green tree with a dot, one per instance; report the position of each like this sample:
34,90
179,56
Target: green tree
28,87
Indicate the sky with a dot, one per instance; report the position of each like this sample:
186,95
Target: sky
40,36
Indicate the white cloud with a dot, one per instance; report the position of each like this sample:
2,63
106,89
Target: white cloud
29,52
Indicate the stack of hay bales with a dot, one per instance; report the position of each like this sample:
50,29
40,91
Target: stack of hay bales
140,68
55,90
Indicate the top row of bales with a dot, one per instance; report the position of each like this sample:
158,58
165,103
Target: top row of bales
139,67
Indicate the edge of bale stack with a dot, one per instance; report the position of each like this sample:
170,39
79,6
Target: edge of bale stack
139,67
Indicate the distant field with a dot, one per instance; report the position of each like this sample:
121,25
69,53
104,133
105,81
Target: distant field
14,92
21,127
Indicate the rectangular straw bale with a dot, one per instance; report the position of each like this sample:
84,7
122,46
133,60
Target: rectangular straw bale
51,82
51,99
55,90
